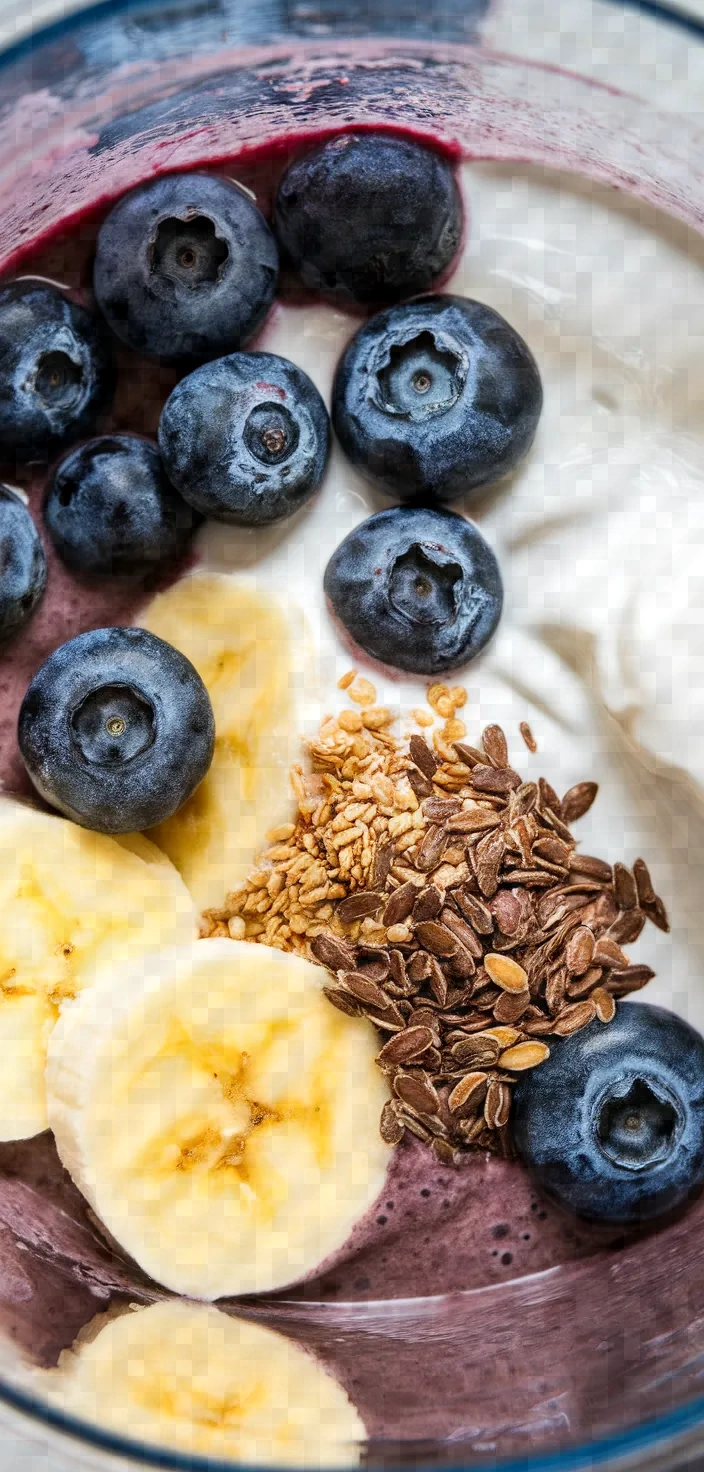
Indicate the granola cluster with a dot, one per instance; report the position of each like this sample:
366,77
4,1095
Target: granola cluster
451,907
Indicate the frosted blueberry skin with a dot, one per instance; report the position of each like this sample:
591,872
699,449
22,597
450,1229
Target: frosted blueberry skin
612,1124
186,268
368,218
246,439
436,398
417,588
22,564
57,373
116,730
111,510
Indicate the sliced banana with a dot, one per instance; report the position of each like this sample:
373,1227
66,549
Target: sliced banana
187,1377
219,1115
73,904
252,652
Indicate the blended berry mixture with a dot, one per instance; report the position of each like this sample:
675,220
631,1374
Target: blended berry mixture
529,1328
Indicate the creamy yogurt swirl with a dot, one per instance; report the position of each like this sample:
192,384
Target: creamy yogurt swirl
600,533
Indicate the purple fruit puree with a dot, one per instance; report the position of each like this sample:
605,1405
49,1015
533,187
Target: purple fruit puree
529,1329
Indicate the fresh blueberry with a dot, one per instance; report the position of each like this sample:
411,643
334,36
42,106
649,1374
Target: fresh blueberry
417,589
185,268
116,730
369,218
22,564
110,508
436,397
612,1123
56,370
246,438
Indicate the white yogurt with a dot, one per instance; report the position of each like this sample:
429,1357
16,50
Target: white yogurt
600,533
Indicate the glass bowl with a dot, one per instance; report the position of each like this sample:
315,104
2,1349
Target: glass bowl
548,1368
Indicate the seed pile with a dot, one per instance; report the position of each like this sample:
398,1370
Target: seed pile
448,901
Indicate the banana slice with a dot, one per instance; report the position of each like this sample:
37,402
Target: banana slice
219,1115
73,903
251,650
187,1377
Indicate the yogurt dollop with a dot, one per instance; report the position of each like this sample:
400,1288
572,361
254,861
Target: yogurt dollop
599,532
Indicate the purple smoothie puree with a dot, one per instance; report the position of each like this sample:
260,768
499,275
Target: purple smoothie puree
529,1329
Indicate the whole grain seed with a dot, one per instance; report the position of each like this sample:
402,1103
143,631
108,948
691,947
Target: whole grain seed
604,1004
428,903
608,953
548,798
510,1006
497,1104
578,801
422,756
528,736
431,849
644,883
345,680
625,888
495,779
573,1018
358,906
523,1056
495,746
506,973
469,756
436,938
479,1051
579,952
627,928
417,1091
469,1093
478,914
412,1042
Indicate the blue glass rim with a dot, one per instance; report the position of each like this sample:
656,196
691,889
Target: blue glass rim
663,1434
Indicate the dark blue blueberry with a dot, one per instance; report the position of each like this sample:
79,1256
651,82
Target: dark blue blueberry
246,438
110,508
186,268
22,564
612,1124
369,218
416,588
56,370
116,730
436,397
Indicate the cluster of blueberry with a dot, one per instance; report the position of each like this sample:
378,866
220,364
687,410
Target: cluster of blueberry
433,397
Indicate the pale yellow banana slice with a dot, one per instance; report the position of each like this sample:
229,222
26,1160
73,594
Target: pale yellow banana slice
252,652
219,1115
186,1377
72,904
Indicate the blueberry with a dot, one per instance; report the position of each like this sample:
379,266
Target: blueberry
56,370
369,218
436,398
416,588
22,564
612,1124
110,508
245,438
116,730
185,268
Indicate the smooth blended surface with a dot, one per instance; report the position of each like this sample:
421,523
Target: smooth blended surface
599,536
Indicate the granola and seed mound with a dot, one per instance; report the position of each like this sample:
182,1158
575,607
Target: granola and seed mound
449,902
